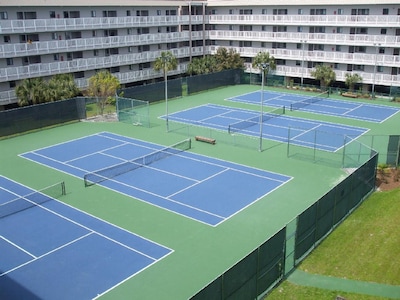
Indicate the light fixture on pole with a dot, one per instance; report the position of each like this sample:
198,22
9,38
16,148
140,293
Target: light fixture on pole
373,79
263,67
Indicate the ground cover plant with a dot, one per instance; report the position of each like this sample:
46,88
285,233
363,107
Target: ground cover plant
364,247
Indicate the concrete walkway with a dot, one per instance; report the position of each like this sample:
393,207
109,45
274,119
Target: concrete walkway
300,277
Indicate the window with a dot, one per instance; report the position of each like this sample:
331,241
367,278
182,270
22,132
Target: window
299,46
3,15
93,13
338,48
10,61
381,50
339,29
264,11
245,44
317,11
56,57
231,11
299,11
385,11
264,28
379,69
245,12
298,63
383,30
94,33
336,66
279,29
358,67
245,28
130,49
158,12
96,52
109,13
396,51
263,45
361,11
299,28
168,12
128,13
340,11
279,11
7,39
278,45
13,84
79,75
52,14
230,27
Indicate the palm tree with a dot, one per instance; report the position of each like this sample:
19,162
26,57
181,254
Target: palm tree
166,62
30,91
202,65
352,79
228,59
63,87
324,74
264,62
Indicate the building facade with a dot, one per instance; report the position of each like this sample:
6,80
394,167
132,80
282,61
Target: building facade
125,37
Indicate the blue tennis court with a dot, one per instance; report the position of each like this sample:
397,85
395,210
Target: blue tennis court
202,188
50,250
320,104
276,126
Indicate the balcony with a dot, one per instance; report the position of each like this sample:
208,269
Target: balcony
311,38
308,20
52,25
60,46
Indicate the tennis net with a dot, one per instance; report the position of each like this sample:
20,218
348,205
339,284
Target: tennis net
308,101
125,167
31,200
241,125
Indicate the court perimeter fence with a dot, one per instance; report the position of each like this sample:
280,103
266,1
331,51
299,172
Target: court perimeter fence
270,263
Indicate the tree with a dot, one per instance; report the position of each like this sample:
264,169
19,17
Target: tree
264,62
351,80
103,85
228,59
60,87
30,91
202,65
166,62
324,74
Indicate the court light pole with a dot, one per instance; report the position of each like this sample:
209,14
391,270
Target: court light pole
373,79
165,59
302,61
263,67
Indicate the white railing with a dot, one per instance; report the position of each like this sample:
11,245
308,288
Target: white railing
311,38
308,20
57,46
46,25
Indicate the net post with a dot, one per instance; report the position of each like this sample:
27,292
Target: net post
63,191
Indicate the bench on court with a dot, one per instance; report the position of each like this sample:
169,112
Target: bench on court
205,139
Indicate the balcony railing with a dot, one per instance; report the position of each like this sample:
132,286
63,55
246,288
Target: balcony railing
57,46
51,25
308,20
311,38
84,64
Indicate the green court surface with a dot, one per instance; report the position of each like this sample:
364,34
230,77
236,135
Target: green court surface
201,252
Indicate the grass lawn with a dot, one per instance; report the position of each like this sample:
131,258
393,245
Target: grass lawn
364,247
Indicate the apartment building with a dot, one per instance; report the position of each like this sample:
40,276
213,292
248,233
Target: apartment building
40,38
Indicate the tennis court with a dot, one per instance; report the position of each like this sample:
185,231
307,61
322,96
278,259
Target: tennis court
202,188
276,126
320,104
54,251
